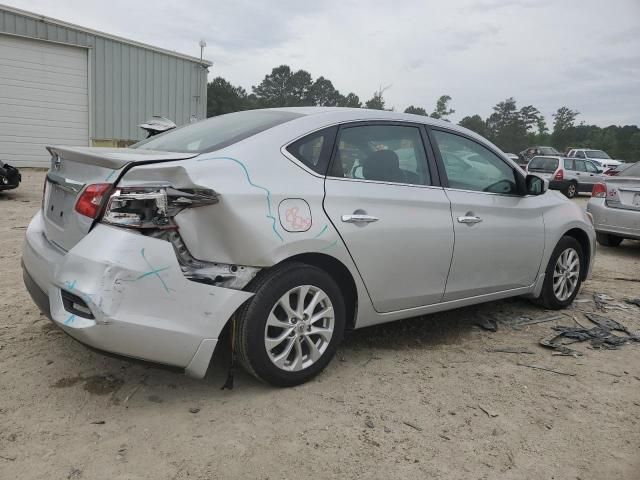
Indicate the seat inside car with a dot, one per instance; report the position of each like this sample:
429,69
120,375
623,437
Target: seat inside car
383,165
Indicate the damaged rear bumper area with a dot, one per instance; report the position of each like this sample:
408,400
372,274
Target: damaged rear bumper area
125,293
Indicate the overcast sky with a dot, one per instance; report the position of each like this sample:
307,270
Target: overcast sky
581,53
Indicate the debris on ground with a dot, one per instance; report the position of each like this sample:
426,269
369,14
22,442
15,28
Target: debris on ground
521,321
607,323
490,413
194,410
489,324
601,300
510,350
537,367
633,301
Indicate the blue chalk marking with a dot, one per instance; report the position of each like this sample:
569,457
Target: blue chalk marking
109,176
69,320
324,229
153,271
70,285
266,190
328,247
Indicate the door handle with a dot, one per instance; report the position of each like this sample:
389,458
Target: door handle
469,219
359,218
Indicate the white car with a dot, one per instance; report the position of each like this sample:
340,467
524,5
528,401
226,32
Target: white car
600,157
285,227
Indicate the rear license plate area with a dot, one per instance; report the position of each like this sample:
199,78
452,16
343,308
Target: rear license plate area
58,203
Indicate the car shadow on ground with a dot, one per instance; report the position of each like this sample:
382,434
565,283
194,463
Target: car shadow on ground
167,385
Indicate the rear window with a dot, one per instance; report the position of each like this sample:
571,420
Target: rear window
632,171
216,132
543,164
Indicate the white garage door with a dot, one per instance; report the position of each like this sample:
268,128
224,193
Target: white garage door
43,99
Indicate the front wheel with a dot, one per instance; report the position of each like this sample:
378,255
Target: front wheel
608,240
290,329
563,275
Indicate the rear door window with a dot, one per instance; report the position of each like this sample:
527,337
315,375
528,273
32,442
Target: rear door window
383,153
543,164
580,166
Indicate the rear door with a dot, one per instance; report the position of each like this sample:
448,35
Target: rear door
383,197
499,233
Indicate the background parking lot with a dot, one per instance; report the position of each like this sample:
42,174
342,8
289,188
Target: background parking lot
430,397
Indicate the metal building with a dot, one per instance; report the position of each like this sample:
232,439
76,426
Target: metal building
68,85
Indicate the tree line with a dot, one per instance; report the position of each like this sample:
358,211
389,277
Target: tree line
511,128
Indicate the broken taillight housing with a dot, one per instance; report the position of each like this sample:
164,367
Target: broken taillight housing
153,207
90,200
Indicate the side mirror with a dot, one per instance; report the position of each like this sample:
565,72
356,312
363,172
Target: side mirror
536,185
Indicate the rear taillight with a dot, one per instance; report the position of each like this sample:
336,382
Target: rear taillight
91,199
559,175
152,207
599,190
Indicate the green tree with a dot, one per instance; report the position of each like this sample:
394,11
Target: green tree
416,111
223,97
475,123
351,100
376,102
564,133
506,128
284,88
322,93
442,110
633,153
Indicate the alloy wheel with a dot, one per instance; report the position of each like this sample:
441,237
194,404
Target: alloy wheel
565,274
299,328
571,191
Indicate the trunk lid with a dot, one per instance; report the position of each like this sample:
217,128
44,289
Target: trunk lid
72,169
623,192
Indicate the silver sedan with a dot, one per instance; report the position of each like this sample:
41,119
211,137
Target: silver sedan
286,227
615,206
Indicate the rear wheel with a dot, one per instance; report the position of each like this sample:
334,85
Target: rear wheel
290,329
608,240
563,275
571,191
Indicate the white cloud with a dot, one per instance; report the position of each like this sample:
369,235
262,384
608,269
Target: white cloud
579,53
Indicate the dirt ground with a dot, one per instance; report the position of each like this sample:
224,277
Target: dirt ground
423,398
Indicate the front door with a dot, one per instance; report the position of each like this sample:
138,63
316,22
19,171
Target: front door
395,220
499,233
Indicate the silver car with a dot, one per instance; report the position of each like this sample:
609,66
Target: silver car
615,206
569,175
287,227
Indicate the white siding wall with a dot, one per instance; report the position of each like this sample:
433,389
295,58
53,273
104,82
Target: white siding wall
43,99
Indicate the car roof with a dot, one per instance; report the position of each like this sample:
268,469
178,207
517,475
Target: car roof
364,114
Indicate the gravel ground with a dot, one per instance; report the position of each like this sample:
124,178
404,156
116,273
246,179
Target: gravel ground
421,398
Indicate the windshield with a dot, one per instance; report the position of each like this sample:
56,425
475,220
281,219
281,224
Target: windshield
216,132
543,164
632,171
548,151
596,154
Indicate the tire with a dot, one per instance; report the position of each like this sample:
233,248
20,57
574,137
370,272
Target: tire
556,298
289,333
571,190
608,240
